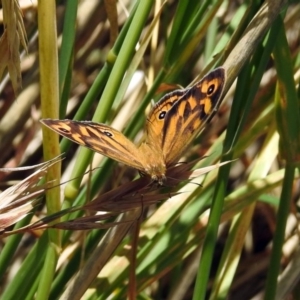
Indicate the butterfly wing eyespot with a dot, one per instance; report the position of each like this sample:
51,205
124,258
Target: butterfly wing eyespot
155,120
162,115
108,133
211,89
64,129
57,125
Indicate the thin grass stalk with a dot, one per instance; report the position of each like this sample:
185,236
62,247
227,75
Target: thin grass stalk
205,12
71,190
49,105
206,259
79,284
247,213
8,251
110,90
239,23
49,98
138,119
94,92
178,25
254,32
66,55
30,269
187,25
49,95
33,288
66,273
100,80
220,189
211,232
104,74
211,38
283,211
189,49
241,223
154,42
288,121
123,60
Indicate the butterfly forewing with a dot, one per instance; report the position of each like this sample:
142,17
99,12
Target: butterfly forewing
100,138
190,113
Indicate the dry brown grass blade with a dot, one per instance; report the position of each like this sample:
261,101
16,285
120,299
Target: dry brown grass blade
86,223
112,15
123,199
17,201
135,195
143,192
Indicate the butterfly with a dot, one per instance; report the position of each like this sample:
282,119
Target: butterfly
172,124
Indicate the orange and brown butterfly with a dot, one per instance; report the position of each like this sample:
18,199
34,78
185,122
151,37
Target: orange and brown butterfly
171,126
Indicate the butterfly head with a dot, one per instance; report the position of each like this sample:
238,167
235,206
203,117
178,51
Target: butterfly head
159,178
156,168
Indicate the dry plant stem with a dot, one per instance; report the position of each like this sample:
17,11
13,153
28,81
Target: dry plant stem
49,94
133,254
283,211
252,36
99,258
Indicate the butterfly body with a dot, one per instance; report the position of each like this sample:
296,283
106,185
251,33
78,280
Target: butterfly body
171,126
